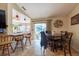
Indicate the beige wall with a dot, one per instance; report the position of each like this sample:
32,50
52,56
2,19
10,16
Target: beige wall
3,6
63,28
74,28
49,26
10,7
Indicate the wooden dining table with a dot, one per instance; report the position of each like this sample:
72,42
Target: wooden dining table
15,35
25,35
14,41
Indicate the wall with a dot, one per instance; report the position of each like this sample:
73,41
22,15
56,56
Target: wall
74,28
63,28
10,6
3,6
49,26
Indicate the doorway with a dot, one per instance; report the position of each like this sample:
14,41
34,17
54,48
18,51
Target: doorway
38,28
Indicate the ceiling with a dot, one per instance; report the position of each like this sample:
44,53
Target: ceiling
45,10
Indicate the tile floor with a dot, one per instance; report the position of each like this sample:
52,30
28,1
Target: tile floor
35,50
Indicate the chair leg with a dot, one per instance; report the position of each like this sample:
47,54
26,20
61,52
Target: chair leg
70,51
3,49
16,46
25,41
22,44
56,46
64,51
53,46
8,49
61,44
11,48
30,41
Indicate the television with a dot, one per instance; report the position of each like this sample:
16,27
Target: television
2,21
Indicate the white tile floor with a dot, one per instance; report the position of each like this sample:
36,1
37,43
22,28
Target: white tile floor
35,50
32,50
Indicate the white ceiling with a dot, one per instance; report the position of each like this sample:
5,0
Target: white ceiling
45,10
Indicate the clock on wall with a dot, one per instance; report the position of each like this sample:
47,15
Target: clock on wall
58,23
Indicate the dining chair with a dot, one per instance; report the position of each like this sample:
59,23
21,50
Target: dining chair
67,44
58,40
64,35
28,37
5,43
19,39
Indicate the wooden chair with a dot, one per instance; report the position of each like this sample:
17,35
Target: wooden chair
18,39
67,44
28,37
64,35
5,43
58,41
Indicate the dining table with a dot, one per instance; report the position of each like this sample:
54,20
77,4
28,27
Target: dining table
15,35
13,42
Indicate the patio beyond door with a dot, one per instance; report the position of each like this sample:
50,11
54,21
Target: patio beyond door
38,28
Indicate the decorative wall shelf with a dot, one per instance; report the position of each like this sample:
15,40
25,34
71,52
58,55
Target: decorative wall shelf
58,23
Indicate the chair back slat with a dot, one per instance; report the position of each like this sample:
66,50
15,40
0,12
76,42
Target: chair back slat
5,38
19,37
63,35
69,37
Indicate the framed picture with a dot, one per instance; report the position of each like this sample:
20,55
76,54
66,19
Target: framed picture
75,19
